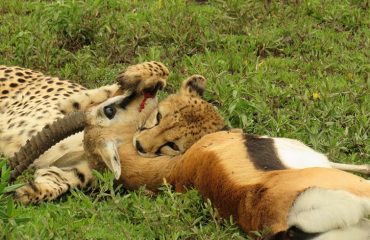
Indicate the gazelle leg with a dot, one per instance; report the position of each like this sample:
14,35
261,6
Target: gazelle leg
364,168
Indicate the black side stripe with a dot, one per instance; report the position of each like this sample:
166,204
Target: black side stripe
262,153
127,100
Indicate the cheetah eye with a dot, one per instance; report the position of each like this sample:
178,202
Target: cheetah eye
109,111
159,117
173,146
167,145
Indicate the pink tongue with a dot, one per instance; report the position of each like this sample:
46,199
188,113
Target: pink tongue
146,96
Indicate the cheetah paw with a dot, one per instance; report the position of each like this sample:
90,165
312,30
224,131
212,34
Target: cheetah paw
33,193
144,77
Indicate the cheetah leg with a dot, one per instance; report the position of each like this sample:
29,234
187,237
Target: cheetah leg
138,76
52,182
80,101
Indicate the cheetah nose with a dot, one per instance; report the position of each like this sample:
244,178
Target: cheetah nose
139,147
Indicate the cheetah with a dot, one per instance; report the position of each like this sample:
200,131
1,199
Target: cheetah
31,100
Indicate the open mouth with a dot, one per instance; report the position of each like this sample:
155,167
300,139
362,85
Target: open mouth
149,93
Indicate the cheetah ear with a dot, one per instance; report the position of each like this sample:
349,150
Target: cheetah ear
194,86
110,156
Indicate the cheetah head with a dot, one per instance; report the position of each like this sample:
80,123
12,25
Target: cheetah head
178,121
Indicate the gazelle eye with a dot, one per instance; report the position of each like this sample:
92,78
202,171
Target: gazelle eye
109,111
159,117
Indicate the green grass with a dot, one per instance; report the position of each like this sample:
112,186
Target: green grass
296,69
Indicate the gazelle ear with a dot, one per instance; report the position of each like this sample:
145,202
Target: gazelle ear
110,156
194,86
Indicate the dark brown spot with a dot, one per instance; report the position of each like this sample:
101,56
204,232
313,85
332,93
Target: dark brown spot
31,132
21,123
8,138
76,105
13,85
